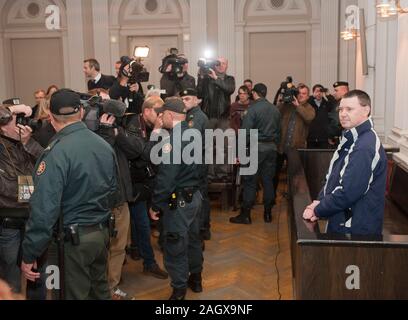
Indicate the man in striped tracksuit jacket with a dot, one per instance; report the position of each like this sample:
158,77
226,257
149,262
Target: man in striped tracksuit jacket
353,198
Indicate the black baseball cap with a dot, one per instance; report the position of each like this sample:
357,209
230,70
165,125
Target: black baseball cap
189,92
65,102
340,84
173,104
260,89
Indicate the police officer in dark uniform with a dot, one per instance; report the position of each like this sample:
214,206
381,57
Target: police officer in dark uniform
264,117
177,196
75,180
197,119
341,88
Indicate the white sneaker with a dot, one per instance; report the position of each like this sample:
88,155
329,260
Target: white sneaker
118,294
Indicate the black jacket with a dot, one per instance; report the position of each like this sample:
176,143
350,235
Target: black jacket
135,99
126,147
216,95
319,128
106,82
173,85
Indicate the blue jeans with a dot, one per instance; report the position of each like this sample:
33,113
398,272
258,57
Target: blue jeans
140,232
10,240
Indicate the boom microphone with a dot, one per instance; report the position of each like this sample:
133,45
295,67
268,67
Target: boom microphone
115,108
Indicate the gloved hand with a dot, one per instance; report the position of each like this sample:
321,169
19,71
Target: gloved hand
22,108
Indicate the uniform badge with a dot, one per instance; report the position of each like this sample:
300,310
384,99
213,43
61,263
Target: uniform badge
41,168
167,148
191,124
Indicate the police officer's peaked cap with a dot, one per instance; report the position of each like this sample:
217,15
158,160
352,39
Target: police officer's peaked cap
173,104
260,89
340,84
189,92
65,102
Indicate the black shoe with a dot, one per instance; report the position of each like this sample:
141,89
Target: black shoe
195,282
205,234
243,218
178,294
156,272
268,216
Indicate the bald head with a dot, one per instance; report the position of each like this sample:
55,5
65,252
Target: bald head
222,68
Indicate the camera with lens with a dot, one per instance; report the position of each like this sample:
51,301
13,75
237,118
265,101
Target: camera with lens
23,120
136,73
288,90
95,107
205,66
176,61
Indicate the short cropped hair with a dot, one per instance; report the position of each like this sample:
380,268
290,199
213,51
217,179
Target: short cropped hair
303,86
93,63
363,97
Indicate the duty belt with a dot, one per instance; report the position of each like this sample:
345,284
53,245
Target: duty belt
83,230
12,223
181,198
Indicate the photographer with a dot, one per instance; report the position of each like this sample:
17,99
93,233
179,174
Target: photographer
18,154
297,115
124,88
215,88
175,75
142,172
126,147
319,128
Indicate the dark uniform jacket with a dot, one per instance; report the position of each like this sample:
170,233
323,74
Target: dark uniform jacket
173,85
135,99
197,119
23,160
105,82
76,178
265,117
216,95
174,177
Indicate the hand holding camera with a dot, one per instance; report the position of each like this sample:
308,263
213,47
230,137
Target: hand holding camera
212,74
24,133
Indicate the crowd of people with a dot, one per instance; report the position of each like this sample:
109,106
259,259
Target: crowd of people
64,186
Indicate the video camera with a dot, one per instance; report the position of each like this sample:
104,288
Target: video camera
177,63
95,107
288,90
137,72
205,66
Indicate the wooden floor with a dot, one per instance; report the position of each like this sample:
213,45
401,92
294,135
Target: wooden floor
239,262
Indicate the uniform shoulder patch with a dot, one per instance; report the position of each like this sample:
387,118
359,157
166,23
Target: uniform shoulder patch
41,168
167,148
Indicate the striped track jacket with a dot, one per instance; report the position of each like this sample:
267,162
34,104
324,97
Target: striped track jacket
353,198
